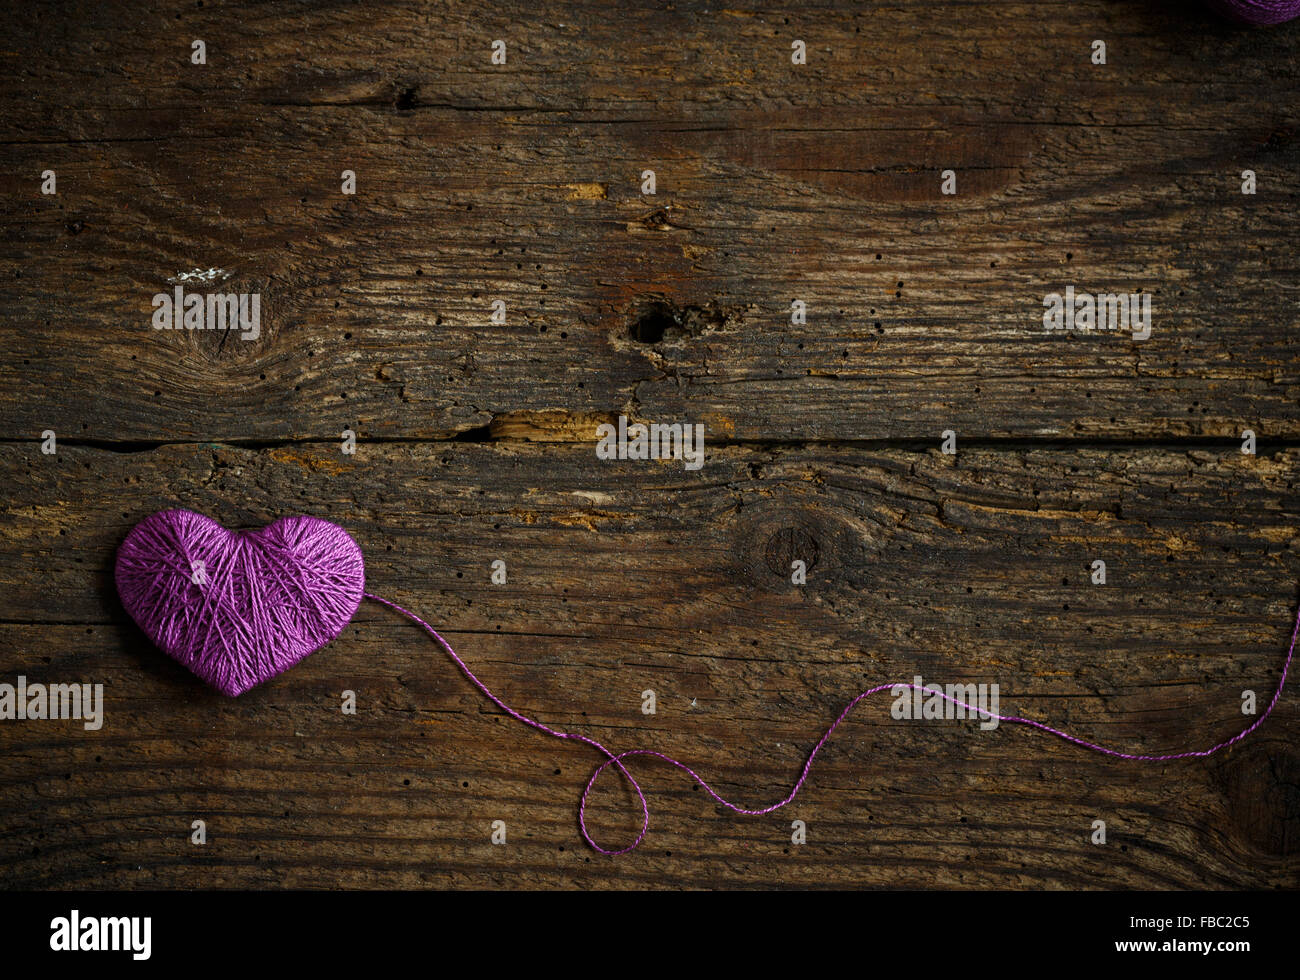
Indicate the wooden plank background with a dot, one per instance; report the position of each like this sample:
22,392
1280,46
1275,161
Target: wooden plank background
776,182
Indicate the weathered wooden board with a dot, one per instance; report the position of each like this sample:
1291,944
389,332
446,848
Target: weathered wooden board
521,182
625,577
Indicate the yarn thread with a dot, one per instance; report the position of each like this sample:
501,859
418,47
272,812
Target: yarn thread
617,759
239,607
1259,12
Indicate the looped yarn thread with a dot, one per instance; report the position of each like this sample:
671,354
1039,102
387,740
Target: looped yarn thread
239,607
616,759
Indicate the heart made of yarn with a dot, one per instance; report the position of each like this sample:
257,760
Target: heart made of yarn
239,607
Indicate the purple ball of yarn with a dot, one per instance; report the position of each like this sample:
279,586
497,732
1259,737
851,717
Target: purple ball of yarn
1258,11
239,607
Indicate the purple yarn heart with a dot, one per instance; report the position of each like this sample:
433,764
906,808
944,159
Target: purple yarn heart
239,607
1258,11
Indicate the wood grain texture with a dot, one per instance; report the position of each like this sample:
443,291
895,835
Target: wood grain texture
521,182
623,578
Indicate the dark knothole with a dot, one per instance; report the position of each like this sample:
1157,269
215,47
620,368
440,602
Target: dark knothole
653,322
406,98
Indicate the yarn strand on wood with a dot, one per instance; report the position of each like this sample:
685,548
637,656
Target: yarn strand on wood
617,759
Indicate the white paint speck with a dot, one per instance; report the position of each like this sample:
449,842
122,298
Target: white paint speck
200,275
